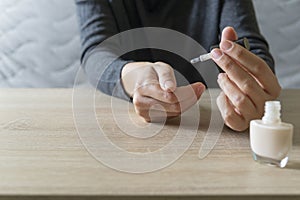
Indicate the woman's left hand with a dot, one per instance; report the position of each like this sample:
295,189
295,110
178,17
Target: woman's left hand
248,82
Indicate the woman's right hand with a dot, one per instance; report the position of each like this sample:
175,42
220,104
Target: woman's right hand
155,94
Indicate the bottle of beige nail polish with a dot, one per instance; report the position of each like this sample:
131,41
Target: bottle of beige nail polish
271,139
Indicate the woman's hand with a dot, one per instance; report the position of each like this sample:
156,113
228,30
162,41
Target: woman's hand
246,84
153,89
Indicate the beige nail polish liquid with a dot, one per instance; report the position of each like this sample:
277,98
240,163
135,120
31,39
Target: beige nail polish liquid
271,139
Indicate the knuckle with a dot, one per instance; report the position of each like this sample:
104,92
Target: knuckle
165,74
167,69
162,64
247,86
141,88
154,87
147,69
239,52
138,88
256,68
227,64
240,101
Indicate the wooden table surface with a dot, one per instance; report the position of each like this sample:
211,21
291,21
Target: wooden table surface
41,155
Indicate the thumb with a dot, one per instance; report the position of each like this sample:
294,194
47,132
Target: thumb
229,34
198,88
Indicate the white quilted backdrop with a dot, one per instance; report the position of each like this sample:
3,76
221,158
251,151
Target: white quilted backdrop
39,41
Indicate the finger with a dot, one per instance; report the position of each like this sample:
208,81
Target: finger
240,101
136,74
160,112
181,94
148,77
149,85
147,103
156,92
254,65
229,34
166,76
196,90
231,118
244,81
157,116
152,110
194,93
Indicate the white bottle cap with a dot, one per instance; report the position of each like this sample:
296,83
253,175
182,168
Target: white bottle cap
272,112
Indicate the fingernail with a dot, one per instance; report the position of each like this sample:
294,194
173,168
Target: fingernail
226,45
169,85
217,54
221,75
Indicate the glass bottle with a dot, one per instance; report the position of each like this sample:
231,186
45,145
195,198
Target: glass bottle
270,138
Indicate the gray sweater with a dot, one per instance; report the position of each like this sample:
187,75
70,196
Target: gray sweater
202,20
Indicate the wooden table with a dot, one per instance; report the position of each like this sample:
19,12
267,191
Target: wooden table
41,155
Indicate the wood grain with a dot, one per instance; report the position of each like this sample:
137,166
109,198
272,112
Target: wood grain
41,155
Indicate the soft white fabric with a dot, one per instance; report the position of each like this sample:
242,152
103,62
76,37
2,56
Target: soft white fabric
39,41
280,23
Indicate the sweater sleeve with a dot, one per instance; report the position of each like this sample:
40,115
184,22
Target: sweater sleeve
241,16
102,65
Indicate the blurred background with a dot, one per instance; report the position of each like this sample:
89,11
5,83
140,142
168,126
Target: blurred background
40,44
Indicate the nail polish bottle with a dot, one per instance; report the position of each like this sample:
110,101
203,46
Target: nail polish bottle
271,139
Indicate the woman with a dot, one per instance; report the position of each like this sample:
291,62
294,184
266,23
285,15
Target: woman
247,78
